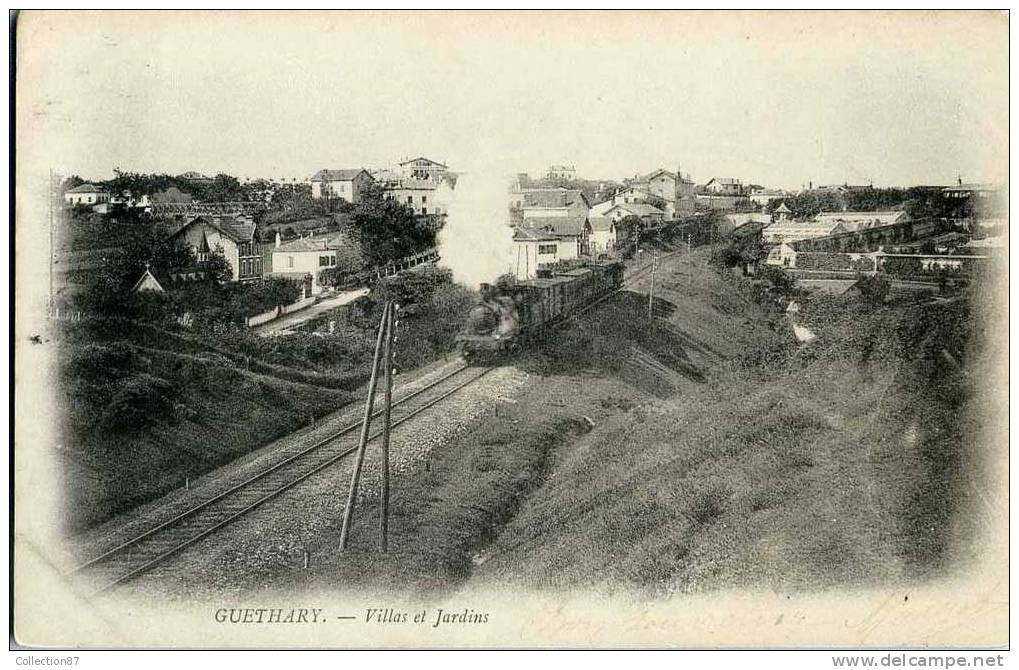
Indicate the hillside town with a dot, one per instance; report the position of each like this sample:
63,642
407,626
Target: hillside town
313,233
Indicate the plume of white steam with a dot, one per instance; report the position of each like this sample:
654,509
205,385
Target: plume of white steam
476,242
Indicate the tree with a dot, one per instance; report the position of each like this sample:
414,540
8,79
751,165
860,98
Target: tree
225,188
107,288
216,267
809,203
387,230
781,282
74,181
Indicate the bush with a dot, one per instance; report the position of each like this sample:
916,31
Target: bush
99,364
874,289
781,282
142,400
215,305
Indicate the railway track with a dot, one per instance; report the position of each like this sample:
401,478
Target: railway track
142,552
629,280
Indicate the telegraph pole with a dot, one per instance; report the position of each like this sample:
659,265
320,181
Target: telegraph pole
651,293
365,426
384,506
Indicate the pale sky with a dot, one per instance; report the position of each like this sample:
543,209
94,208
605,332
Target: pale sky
773,98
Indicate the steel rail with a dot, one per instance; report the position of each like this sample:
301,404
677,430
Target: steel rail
258,476
208,531
628,281
145,567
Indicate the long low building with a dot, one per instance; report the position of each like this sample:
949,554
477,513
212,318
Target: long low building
792,231
853,221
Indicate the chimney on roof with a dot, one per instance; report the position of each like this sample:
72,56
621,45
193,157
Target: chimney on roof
958,179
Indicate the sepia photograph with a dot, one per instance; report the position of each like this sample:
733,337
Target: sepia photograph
510,330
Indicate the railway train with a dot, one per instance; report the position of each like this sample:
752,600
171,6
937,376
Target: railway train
511,311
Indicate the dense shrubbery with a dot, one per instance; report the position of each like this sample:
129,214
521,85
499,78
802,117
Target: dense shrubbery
779,280
212,303
833,261
873,289
742,251
296,205
115,390
432,312
221,188
136,429
140,401
919,202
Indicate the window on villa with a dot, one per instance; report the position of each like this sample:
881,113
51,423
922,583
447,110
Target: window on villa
547,249
290,261
410,200
323,261
424,210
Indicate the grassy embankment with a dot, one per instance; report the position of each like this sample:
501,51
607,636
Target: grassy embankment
748,461
148,407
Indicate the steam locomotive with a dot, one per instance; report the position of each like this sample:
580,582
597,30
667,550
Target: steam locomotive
511,311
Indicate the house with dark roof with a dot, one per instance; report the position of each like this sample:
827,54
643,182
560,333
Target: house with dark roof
346,184
724,186
540,241
306,257
86,194
234,235
538,247
636,192
649,214
545,202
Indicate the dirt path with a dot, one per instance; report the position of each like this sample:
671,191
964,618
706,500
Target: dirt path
288,321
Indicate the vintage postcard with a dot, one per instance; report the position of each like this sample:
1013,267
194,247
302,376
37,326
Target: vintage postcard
546,329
